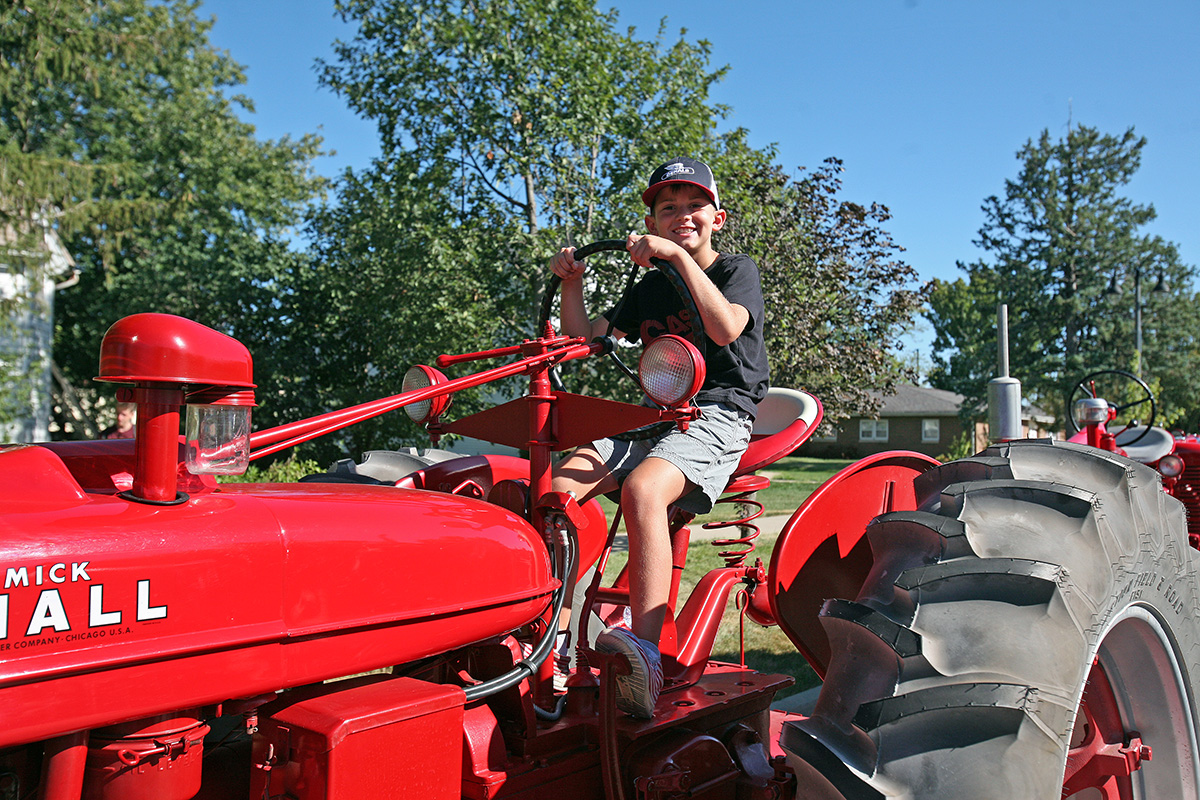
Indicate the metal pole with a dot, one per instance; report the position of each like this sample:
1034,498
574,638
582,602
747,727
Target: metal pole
1137,317
1004,392
1002,340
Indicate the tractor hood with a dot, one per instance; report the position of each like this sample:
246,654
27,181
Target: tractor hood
117,608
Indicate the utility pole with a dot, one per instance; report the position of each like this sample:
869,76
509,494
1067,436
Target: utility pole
1113,292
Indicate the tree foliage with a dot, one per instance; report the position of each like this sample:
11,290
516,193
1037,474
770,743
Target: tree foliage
509,128
62,76
1060,236
838,295
118,127
542,108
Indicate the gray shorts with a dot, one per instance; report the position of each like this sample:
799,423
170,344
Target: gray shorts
707,453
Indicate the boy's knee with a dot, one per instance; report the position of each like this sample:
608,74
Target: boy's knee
584,474
630,492
659,485
559,483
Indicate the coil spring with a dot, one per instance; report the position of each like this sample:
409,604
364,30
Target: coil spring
750,531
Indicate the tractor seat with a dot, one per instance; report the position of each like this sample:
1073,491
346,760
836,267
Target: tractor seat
786,418
1157,443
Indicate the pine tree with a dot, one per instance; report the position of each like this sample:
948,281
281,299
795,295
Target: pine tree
1061,235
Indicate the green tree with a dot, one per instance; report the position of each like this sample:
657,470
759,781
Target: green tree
838,295
512,127
507,129
119,129
44,189
1058,238
539,107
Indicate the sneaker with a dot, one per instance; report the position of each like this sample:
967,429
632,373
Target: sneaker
637,692
562,660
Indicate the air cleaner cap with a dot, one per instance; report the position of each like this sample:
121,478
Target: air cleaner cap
1090,411
163,348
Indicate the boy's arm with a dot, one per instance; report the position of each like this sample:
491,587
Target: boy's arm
723,321
575,320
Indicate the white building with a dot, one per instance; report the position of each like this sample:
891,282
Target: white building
30,271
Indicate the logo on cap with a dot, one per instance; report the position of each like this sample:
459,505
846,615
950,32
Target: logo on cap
676,169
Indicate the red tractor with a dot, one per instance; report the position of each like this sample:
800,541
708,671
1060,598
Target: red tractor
1104,410
1016,624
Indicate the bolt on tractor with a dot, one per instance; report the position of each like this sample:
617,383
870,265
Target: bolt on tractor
1017,624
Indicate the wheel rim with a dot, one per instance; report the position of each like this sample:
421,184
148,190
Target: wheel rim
1135,690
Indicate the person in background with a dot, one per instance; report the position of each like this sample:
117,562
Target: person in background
124,428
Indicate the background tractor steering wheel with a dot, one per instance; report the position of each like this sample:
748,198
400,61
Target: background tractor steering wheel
1125,392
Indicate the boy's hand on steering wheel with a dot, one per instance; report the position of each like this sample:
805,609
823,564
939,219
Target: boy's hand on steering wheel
644,246
565,266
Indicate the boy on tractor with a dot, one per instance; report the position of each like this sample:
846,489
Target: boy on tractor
688,468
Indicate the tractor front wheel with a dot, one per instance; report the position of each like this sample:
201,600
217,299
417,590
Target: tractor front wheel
1030,631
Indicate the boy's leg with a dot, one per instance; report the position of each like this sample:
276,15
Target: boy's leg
645,495
652,486
585,474
685,468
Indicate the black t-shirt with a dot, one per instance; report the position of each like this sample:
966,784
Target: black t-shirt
737,373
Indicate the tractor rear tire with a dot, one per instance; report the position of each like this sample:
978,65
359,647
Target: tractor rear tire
959,669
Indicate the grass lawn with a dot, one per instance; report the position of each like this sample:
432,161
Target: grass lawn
767,649
793,479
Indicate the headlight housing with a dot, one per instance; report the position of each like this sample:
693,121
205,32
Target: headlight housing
671,370
1171,465
428,410
1089,411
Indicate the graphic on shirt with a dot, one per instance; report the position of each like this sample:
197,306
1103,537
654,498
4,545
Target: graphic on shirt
679,324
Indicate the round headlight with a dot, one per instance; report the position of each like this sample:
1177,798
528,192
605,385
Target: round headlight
671,370
1090,410
1171,466
423,411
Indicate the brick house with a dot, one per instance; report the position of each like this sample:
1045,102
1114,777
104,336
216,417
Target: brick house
914,418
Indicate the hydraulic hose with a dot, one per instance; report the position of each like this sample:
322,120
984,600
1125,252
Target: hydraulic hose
527,667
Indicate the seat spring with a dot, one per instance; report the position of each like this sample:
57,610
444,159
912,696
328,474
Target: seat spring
752,509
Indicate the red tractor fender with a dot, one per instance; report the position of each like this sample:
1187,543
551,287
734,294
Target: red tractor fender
822,551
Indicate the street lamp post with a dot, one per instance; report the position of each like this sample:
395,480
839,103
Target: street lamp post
1113,292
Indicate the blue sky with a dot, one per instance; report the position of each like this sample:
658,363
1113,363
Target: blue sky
925,101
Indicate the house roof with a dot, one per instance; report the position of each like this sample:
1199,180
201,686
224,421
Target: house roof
920,401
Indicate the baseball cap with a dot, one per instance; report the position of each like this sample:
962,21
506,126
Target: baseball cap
682,170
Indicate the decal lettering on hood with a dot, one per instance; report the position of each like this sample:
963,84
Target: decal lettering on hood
55,619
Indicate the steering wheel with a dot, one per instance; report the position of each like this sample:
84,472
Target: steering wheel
695,335
1116,381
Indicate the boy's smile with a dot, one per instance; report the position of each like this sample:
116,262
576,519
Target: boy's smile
684,214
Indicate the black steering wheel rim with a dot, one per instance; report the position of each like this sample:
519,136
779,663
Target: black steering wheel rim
1083,388
696,335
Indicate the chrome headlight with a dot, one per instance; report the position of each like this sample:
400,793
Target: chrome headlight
671,370
422,411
